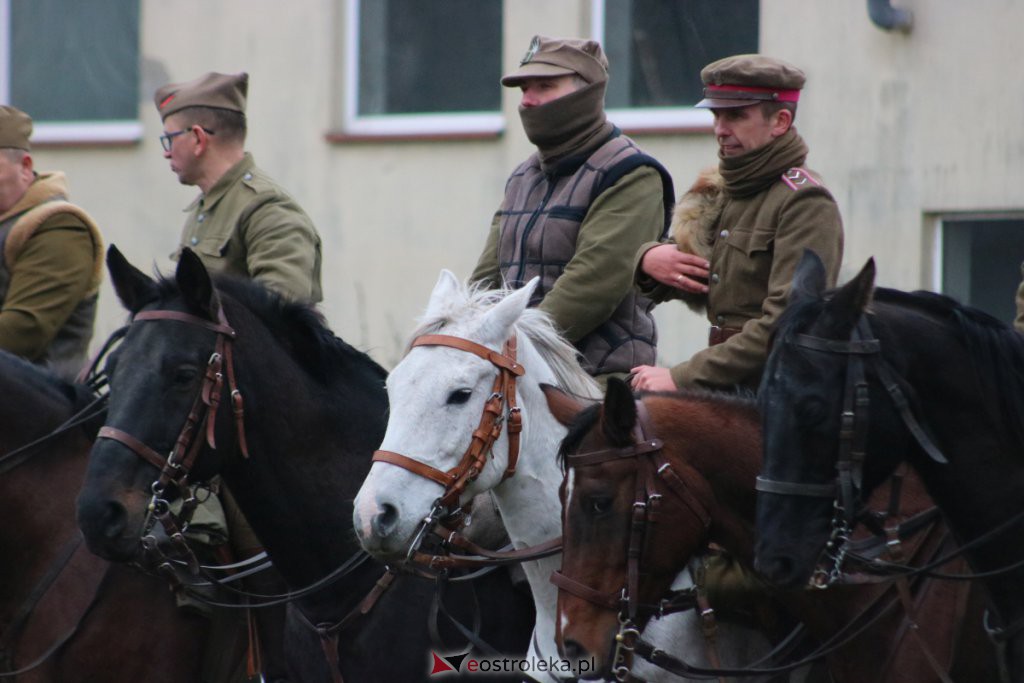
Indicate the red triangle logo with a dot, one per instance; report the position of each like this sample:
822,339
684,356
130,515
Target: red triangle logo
440,666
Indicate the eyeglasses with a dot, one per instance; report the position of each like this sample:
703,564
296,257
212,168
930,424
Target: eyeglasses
167,138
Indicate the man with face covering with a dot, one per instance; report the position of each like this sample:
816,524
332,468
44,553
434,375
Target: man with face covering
577,209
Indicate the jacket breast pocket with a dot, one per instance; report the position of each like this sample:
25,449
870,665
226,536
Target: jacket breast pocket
747,256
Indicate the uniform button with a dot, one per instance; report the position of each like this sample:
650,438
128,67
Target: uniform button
194,241
720,318
724,233
247,176
201,217
714,278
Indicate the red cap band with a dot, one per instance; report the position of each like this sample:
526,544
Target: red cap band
735,92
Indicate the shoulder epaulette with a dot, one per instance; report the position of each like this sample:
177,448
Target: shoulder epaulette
797,178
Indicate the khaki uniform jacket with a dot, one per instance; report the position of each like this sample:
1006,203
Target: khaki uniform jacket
758,241
1019,322
249,227
49,277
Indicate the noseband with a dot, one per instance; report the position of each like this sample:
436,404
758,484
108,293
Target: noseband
473,460
861,349
175,468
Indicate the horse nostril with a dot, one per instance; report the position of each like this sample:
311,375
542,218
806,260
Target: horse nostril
573,651
113,520
384,521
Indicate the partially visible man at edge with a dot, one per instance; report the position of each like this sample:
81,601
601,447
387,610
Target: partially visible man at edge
741,230
1019,322
577,209
243,223
52,262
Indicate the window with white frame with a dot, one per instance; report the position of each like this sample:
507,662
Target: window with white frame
980,259
416,67
656,49
73,67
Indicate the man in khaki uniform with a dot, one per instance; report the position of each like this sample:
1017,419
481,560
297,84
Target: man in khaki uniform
740,232
243,223
52,259
577,209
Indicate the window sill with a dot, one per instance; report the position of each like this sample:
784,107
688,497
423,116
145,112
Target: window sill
340,137
663,121
86,134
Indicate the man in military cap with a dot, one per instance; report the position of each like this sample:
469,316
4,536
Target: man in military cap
578,208
52,258
739,233
243,223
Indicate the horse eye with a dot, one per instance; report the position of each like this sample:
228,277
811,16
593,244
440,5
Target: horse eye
459,396
185,375
598,505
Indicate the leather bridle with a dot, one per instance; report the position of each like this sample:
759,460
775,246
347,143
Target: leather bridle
646,511
499,408
862,350
199,426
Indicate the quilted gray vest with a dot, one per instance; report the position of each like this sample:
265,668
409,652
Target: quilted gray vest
539,222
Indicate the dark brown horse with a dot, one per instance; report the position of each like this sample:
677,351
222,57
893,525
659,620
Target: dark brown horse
688,469
80,618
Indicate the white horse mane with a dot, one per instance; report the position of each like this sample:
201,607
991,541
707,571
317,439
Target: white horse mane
470,302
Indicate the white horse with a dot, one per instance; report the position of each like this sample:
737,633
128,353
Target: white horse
437,394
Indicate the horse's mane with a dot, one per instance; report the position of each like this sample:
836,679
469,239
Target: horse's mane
995,349
742,400
534,324
299,327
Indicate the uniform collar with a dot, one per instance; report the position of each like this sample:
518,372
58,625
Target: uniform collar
224,183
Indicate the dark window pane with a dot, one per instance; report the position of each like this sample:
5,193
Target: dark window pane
429,57
981,264
75,61
656,48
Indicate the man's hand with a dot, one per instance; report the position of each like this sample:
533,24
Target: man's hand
651,378
669,266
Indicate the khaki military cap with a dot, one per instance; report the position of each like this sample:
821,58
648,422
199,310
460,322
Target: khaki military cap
15,128
742,80
551,57
221,91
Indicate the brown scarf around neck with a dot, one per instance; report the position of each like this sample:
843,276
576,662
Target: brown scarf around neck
571,125
753,171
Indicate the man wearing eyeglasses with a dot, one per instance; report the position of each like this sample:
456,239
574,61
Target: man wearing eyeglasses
51,258
243,223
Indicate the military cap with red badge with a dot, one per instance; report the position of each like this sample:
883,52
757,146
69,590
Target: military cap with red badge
742,80
220,91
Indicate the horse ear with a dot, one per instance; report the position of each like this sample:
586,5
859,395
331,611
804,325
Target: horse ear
441,299
563,406
497,323
195,285
809,279
852,299
619,414
133,287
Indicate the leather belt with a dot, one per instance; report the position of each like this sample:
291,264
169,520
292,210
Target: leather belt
717,335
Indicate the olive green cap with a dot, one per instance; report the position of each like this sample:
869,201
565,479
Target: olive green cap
221,91
551,57
742,80
15,128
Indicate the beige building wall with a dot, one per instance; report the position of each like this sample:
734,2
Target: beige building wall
904,127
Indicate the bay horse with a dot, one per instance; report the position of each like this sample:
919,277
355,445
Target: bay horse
302,413
456,369
650,482
920,379
81,618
